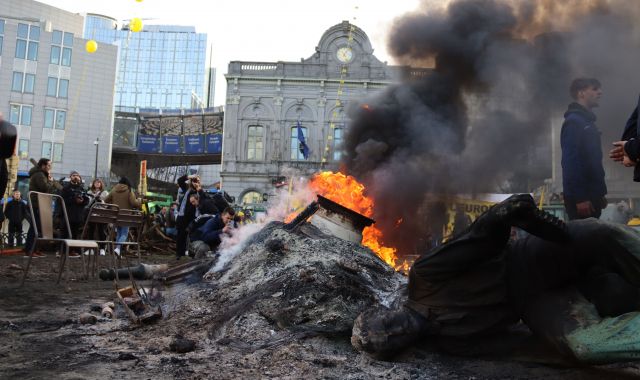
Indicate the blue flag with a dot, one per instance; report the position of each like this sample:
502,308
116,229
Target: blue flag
304,149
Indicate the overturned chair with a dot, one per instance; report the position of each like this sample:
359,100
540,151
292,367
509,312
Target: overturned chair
42,222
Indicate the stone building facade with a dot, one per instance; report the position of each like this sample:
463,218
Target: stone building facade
266,101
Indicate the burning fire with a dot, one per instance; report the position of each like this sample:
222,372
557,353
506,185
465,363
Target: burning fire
348,192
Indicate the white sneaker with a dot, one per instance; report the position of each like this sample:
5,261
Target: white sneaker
117,251
102,252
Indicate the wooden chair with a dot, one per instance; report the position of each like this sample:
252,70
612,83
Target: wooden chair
132,219
101,215
44,231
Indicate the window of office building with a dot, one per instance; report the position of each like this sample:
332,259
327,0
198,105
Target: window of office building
54,118
23,82
61,48
57,152
296,147
27,42
58,87
23,149
255,143
337,140
1,35
46,149
20,114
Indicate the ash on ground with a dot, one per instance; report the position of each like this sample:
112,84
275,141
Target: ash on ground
282,307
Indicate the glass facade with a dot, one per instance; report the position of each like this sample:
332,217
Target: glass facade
159,67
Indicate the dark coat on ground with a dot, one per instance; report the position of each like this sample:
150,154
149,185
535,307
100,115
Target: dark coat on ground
582,169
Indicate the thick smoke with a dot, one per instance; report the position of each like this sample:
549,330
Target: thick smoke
480,122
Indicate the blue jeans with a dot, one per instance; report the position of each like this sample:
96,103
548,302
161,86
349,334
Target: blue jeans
121,235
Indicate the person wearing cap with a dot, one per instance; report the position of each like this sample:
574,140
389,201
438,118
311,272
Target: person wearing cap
75,200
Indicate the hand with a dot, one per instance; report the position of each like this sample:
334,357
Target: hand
627,162
585,209
618,154
226,230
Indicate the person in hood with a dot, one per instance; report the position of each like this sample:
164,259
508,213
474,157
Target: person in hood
582,171
40,180
122,196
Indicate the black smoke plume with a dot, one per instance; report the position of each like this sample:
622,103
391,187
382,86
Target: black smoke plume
481,121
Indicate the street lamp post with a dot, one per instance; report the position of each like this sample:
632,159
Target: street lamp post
95,170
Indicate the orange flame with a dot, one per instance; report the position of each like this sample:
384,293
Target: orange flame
348,192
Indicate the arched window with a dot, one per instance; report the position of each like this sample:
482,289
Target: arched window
337,141
296,147
251,197
255,143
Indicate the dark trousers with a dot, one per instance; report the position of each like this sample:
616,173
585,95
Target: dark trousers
181,238
15,229
29,245
572,211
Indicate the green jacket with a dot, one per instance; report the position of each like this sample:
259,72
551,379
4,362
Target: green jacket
39,181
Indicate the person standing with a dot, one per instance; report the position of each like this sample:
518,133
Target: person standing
122,196
187,211
40,180
16,211
582,171
75,200
97,190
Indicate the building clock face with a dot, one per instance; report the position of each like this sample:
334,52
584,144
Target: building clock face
344,54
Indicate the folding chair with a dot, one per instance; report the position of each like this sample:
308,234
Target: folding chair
44,231
132,219
101,215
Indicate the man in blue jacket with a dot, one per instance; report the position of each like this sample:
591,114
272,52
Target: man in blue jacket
211,232
582,171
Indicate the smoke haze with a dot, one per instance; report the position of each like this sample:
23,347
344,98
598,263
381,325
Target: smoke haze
480,122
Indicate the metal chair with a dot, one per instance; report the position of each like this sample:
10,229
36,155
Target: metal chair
132,219
101,215
44,231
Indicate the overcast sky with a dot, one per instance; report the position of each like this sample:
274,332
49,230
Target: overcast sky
256,30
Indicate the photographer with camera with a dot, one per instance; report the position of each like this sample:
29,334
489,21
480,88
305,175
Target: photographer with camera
75,200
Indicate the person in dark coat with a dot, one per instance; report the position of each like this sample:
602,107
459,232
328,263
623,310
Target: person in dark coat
40,180
575,285
213,229
582,171
186,210
627,150
16,212
75,200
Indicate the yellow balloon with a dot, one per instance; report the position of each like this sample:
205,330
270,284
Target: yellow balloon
135,25
91,46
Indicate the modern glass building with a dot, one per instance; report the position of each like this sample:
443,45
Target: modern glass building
162,67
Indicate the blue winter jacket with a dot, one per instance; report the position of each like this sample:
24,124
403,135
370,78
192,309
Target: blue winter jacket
582,170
